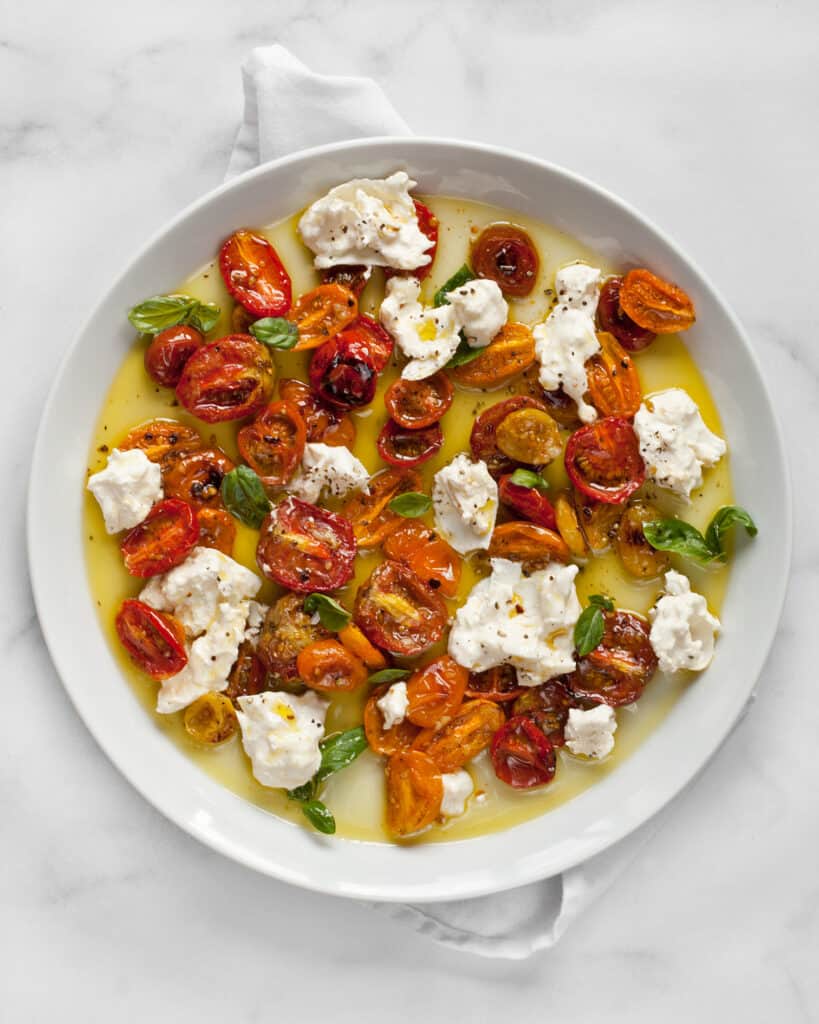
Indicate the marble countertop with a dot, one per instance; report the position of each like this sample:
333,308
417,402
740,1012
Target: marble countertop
115,117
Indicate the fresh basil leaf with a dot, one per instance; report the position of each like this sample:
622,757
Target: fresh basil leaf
303,793
388,675
204,316
464,353
161,312
411,504
330,612
528,478
680,537
320,816
725,518
244,496
460,277
588,630
339,751
601,601
276,332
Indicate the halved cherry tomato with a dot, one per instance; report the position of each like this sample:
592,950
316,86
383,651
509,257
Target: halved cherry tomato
155,642
355,642
306,548
522,755
386,741
273,443
159,438
614,384
548,707
427,225
510,353
483,439
169,351
603,460
463,737
568,525
287,629
398,612
506,254
530,436
163,539
598,521
436,691
196,477
325,424
254,274
343,373
353,277
247,675
321,313
328,666
617,670
427,554
611,318
373,521
211,719
402,447
654,303
639,558
419,403
498,684
227,379
528,502
370,333
217,529
533,545
414,792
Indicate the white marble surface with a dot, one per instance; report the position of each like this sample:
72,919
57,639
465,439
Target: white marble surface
112,118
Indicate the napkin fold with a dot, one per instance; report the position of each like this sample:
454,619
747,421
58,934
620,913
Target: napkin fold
288,107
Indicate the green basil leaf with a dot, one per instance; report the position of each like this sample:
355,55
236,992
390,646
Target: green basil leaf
725,518
601,601
320,816
161,312
276,332
388,675
204,316
528,478
330,612
588,630
304,792
244,496
680,537
464,353
411,504
460,277
339,751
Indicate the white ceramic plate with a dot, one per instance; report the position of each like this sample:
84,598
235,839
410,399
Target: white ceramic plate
638,788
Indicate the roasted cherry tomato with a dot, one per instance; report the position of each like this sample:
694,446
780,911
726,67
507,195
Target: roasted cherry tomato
398,612
343,373
419,403
548,707
428,225
287,629
196,477
254,274
427,554
306,548
373,520
598,520
483,439
528,502
378,341
247,675
169,351
522,755
568,525
159,438
402,447
154,641
355,642
211,719
498,684
163,539
464,736
217,529
639,558
436,691
273,443
611,318
561,408
328,666
617,670
506,254
386,741
321,313
530,436
655,304
533,545
414,792
603,460
324,424
353,278
614,384
227,379
510,353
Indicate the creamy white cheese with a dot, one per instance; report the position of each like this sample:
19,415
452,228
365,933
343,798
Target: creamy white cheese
465,499
256,612
280,734
127,489
328,469
567,338
591,733
526,622
480,310
366,221
427,337
683,631
393,705
458,788
674,441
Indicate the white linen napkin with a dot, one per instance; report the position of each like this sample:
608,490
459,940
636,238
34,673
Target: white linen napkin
287,108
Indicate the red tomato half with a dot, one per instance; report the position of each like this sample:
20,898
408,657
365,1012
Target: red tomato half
369,332
427,554
505,254
522,756
611,318
169,351
324,424
354,277
254,274
273,444
528,501
227,379
402,447
162,540
398,612
155,642
306,548
428,225
419,403
603,460
343,372
617,671
483,440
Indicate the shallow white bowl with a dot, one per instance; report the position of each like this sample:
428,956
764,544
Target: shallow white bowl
668,759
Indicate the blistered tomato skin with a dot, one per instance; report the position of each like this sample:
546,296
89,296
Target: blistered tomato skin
169,351
505,253
436,691
330,667
483,439
415,404
254,274
323,423
603,460
372,518
401,447
273,444
611,318
155,642
159,438
398,612
162,540
654,303
522,755
321,313
354,278
617,671
196,477
528,502
343,373
227,379
427,554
